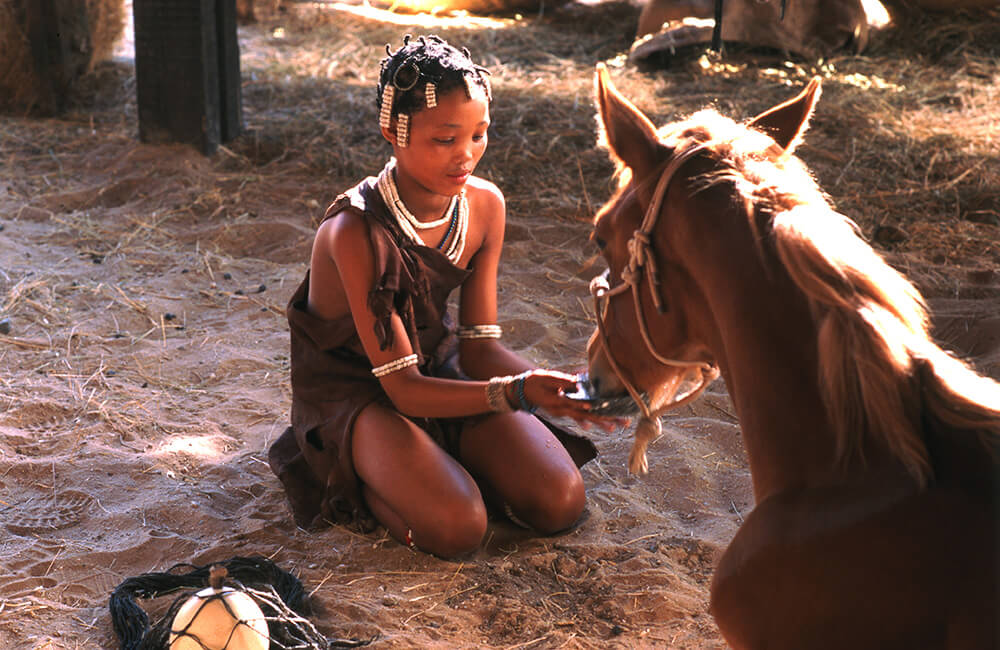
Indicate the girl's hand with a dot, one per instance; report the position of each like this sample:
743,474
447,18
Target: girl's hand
547,389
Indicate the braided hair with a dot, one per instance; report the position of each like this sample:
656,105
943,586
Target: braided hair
412,77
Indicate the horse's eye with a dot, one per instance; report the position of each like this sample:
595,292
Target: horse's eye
600,242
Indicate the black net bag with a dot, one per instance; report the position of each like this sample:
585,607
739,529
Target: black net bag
278,594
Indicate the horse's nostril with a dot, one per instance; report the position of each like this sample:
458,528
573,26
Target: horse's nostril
595,385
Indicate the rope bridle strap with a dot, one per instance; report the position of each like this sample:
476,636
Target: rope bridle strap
642,261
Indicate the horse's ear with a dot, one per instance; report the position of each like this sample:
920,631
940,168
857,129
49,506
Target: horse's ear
788,121
629,134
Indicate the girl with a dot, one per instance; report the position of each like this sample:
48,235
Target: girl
395,412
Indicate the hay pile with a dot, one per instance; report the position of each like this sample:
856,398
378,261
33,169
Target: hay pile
106,21
66,47
19,82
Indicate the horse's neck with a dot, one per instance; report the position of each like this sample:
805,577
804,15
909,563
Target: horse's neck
763,337
767,351
770,364
770,370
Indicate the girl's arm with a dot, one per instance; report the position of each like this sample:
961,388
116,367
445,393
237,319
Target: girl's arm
343,246
485,358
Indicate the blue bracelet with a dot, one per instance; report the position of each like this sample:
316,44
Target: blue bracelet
521,398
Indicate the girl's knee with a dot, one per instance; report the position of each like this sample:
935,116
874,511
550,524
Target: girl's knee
458,531
562,501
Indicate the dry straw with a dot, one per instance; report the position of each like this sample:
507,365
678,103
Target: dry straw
905,135
91,29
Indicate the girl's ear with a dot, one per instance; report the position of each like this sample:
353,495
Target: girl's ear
389,134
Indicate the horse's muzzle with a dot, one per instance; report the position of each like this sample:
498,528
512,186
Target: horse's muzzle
613,405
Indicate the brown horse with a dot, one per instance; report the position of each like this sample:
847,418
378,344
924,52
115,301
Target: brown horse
873,452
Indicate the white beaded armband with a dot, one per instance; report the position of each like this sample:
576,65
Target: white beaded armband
395,365
479,332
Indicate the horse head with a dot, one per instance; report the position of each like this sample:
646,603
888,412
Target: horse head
657,338
725,256
648,300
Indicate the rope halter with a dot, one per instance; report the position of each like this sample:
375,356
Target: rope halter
642,262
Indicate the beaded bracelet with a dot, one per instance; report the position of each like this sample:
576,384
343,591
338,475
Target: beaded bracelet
522,399
395,365
496,394
479,332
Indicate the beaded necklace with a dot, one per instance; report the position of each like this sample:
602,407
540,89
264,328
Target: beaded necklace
387,186
451,227
457,216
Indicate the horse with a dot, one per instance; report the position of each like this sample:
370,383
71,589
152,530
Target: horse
873,452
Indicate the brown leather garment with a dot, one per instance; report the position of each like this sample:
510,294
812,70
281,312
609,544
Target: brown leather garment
331,374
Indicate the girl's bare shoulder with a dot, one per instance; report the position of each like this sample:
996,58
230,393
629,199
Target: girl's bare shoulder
348,222
486,196
344,231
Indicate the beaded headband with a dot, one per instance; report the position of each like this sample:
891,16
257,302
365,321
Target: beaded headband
405,78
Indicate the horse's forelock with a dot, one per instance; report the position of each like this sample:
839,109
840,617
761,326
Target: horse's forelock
748,158
623,176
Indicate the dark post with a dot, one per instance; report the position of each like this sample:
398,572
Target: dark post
187,68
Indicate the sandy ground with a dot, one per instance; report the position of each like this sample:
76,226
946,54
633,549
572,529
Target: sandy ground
145,372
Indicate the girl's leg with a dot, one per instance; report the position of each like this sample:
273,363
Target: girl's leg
525,466
413,487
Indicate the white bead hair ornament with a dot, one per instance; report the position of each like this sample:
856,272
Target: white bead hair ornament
219,618
402,129
385,111
430,94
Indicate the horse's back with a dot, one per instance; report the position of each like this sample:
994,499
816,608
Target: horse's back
828,569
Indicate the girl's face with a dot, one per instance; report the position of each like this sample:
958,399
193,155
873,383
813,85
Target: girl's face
446,143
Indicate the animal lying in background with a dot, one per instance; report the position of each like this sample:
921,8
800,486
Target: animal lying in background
809,28
874,454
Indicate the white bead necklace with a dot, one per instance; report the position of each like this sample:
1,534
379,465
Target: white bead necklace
457,213
387,186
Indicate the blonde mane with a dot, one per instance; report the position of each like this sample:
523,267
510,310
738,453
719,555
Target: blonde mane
882,376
